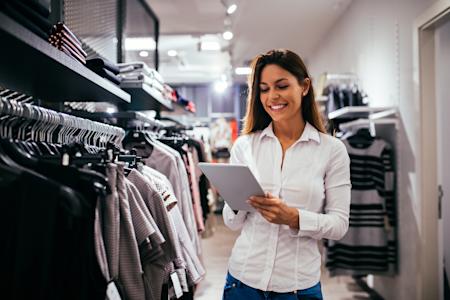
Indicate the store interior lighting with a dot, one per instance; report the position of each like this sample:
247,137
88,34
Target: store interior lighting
242,71
143,53
172,53
209,46
230,5
220,86
140,43
227,35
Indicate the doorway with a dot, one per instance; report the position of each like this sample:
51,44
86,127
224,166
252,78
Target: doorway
432,35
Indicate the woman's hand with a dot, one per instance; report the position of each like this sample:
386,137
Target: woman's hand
275,210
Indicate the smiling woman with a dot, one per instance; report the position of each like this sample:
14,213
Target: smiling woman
305,174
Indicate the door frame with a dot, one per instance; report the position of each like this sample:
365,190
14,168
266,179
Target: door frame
430,273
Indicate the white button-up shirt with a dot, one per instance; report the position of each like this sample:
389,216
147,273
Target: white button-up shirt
315,178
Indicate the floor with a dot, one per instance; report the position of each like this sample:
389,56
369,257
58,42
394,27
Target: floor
217,249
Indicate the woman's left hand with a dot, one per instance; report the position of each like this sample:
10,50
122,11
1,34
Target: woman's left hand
275,210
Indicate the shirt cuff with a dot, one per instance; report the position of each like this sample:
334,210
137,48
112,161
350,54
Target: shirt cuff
308,221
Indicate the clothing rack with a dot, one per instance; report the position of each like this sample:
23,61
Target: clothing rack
49,126
123,119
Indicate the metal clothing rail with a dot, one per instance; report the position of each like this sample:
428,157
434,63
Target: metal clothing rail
30,122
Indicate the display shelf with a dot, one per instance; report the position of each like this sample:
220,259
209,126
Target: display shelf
353,112
30,65
145,98
178,109
367,123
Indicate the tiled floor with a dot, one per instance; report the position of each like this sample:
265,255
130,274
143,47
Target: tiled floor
216,251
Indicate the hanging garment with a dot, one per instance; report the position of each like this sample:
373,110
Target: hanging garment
370,245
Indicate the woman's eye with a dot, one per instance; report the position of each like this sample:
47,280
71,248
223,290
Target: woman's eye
264,90
282,87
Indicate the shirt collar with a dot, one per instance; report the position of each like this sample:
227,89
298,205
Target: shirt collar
309,133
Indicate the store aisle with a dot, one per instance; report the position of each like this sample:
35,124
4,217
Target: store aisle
217,249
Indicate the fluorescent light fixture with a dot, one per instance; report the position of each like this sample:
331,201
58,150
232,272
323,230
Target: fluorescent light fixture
220,86
110,110
242,71
209,46
140,44
231,9
143,53
227,35
172,53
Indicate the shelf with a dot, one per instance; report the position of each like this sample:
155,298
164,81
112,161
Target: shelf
353,112
30,65
178,109
145,98
367,123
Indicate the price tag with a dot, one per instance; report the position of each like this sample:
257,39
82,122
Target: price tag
111,292
176,284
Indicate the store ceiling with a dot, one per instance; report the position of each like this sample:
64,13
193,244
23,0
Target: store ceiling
258,25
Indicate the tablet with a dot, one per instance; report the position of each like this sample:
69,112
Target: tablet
235,183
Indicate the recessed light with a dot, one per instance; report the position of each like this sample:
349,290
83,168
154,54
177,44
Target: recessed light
143,53
227,35
140,44
209,46
242,71
172,53
231,9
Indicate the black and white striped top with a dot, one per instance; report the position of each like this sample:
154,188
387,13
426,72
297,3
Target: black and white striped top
370,245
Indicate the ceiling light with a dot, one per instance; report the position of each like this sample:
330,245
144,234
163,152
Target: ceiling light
172,53
140,44
231,9
230,6
220,86
242,71
209,46
227,35
143,53
110,110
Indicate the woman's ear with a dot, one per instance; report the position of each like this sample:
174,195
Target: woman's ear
306,85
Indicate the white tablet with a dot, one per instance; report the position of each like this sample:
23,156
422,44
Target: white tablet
235,183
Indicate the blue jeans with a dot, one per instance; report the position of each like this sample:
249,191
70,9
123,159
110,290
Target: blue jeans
236,290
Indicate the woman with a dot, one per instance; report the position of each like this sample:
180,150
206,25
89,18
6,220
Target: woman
306,176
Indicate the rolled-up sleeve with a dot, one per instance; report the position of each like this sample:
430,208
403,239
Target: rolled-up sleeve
333,223
232,220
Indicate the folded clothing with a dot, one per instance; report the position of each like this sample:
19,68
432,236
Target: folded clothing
69,52
37,6
62,41
64,36
141,78
105,73
61,28
21,18
32,15
100,63
140,67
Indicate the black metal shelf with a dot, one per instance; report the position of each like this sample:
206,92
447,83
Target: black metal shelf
30,65
145,97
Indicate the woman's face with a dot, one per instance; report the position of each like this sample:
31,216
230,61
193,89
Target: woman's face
281,94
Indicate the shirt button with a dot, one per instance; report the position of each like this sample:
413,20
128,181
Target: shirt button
233,285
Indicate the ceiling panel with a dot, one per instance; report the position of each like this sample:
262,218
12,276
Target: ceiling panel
258,25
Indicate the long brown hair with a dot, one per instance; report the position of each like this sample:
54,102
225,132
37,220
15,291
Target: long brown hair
256,118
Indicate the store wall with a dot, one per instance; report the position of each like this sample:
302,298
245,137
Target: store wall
443,123
374,39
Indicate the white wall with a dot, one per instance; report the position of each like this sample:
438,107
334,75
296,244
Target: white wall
443,124
374,39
